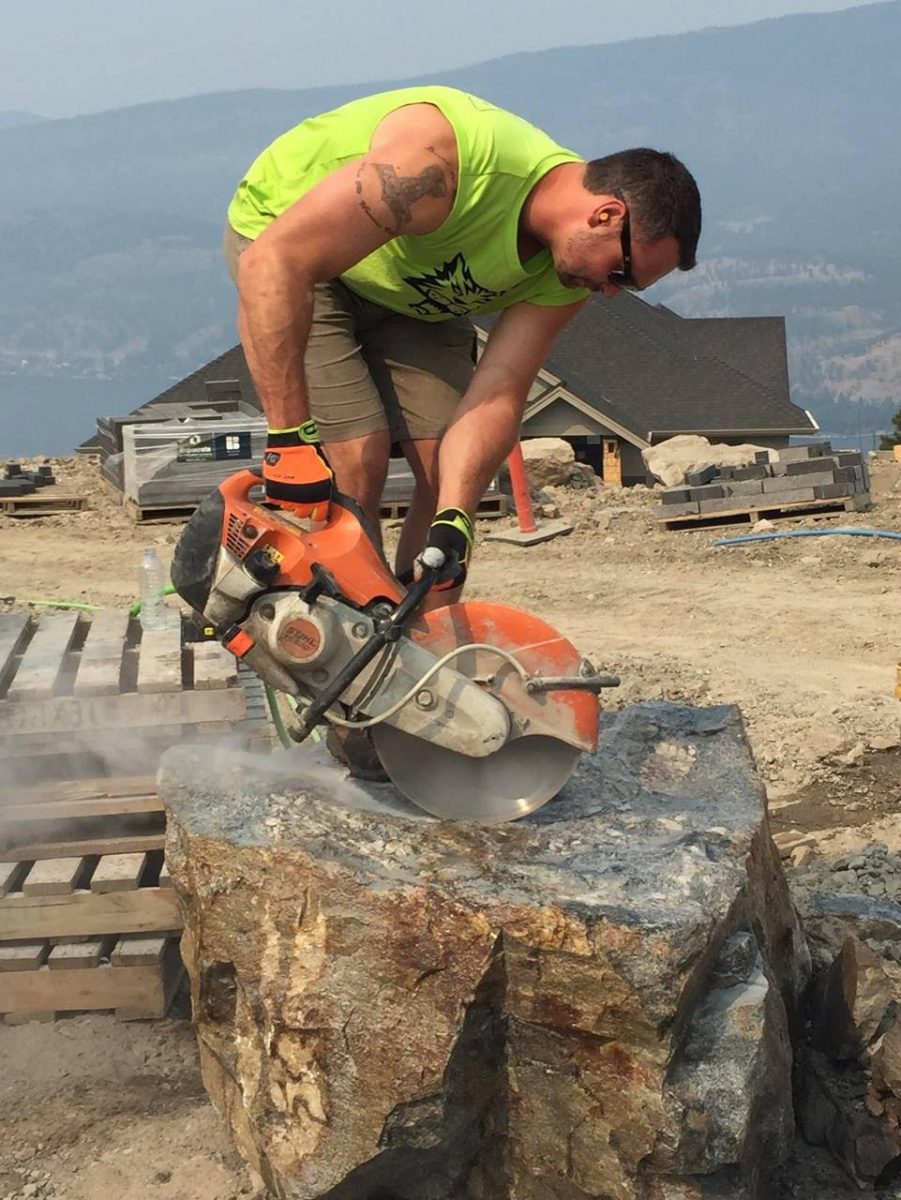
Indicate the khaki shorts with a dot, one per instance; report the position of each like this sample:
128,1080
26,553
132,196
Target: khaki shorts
369,368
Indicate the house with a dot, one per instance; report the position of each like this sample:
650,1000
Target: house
622,376
625,374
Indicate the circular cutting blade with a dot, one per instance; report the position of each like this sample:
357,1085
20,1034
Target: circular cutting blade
517,779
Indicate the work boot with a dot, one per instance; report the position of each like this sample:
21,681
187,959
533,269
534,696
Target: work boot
353,748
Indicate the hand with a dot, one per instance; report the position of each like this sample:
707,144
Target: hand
447,549
296,472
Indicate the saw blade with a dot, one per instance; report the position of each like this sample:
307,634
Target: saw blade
515,781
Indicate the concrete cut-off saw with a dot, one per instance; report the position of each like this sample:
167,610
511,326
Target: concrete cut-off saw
477,711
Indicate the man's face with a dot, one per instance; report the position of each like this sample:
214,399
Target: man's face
588,256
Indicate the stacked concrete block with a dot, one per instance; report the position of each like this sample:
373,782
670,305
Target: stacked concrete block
811,474
19,482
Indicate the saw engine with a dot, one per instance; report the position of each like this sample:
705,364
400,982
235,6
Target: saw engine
476,710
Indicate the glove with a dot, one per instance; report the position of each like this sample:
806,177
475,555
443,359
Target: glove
296,472
447,549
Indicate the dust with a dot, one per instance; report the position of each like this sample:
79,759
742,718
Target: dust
304,769
287,777
101,755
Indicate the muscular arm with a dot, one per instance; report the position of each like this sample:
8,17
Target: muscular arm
404,185
486,424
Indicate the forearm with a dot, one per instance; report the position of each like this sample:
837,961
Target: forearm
275,310
482,433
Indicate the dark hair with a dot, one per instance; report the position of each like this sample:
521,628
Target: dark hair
662,195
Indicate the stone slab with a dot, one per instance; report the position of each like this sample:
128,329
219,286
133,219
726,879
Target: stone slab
670,512
756,471
833,491
811,466
746,487
703,476
792,454
791,483
545,531
676,496
710,491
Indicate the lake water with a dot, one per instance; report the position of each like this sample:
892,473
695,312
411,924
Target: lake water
52,416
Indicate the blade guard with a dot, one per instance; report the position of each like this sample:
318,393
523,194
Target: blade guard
570,716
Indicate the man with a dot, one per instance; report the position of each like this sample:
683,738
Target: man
361,240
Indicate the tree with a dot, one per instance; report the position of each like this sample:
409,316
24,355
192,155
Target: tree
892,439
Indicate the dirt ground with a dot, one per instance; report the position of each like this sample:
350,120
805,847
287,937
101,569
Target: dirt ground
803,634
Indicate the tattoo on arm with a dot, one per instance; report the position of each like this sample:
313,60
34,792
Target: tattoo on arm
450,166
400,193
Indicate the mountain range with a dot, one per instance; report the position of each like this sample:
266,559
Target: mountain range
110,253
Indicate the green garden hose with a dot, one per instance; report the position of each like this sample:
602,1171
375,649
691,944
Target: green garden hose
64,604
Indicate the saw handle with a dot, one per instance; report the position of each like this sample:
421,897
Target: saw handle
416,594
536,684
387,630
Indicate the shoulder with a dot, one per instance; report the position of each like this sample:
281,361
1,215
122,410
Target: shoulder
423,123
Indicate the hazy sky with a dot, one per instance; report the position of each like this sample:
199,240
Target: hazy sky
64,57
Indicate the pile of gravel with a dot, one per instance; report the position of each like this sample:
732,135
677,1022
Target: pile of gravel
859,894
874,871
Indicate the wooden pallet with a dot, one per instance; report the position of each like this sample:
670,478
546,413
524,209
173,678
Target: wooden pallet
148,514
393,510
56,916
82,874
135,977
496,505
45,804
86,895
43,503
734,516
97,689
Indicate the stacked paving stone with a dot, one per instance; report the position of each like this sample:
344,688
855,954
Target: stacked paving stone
810,474
19,482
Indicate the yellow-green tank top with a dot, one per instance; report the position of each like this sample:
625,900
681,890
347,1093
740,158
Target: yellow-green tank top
471,263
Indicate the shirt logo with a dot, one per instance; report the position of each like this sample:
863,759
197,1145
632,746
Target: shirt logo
450,290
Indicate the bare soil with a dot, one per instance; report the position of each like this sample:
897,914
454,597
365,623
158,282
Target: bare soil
803,634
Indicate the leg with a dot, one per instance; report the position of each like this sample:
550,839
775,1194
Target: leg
345,400
361,467
422,455
421,370
423,459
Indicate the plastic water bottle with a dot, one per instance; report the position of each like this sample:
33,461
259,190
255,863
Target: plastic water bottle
151,581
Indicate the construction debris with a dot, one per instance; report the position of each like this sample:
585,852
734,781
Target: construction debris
801,476
671,461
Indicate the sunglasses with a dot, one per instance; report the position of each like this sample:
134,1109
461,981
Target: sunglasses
624,278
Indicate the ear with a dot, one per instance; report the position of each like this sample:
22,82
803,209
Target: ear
605,213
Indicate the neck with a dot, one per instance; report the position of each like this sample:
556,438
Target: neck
549,201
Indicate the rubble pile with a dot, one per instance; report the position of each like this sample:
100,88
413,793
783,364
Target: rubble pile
849,1061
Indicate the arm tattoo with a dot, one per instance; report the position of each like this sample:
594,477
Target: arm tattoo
450,166
400,193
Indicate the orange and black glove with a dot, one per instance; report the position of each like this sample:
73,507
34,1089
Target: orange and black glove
296,473
447,549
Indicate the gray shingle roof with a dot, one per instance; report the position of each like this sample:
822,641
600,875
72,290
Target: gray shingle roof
657,372
230,365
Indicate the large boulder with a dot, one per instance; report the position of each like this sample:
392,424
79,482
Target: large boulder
549,461
670,461
591,1002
